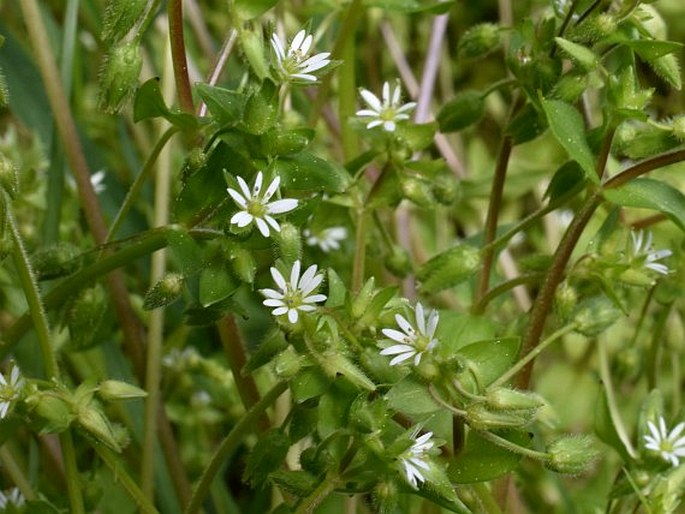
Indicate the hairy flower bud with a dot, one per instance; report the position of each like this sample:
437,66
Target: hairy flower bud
165,291
289,243
9,179
570,87
571,455
363,298
479,40
418,191
253,48
287,363
565,300
243,263
56,261
120,17
112,390
194,162
97,424
119,76
445,189
4,92
595,315
84,316
503,398
53,410
386,497
481,417
448,268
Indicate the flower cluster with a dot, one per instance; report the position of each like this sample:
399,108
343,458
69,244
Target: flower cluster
296,64
669,445
414,460
415,339
296,295
256,207
387,112
10,390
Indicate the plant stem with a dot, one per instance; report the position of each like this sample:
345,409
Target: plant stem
512,447
484,495
493,293
15,473
40,322
491,220
125,479
643,167
532,355
234,350
347,100
545,298
311,502
359,249
239,431
139,182
178,55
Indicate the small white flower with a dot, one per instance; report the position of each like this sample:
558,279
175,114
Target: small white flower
414,459
328,239
295,295
669,446
296,64
11,497
256,206
389,111
97,180
10,390
642,250
414,340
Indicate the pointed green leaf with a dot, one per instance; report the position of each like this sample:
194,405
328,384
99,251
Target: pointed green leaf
411,397
482,460
568,128
491,358
216,284
307,172
226,106
648,193
580,54
149,103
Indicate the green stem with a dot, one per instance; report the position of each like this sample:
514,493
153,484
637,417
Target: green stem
15,473
359,250
643,167
490,231
512,447
121,476
347,99
229,444
532,355
604,152
545,298
530,278
178,55
138,183
311,502
484,495
71,473
349,24
149,18
564,24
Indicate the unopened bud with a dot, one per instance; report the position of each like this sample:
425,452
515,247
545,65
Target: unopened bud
84,317
481,417
120,17
9,179
446,189
448,268
595,315
95,422
119,76
417,191
398,262
194,162
52,409
165,291
112,390
571,455
56,261
503,398
363,298
386,497
253,48
4,92
570,87
427,370
565,300
479,40
289,243
243,263
287,363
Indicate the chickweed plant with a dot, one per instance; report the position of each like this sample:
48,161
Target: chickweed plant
342,256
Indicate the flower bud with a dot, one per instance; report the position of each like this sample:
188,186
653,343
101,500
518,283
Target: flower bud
243,263
570,87
9,179
445,189
289,243
52,409
363,299
112,390
418,192
385,497
595,315
84,315
427,370
448,268
480,417
4,92
479,40
287,363
56,261
594,28
571,455
120,17
193,163
398,262
253,49
165,291
565,300
260,110
678,126
503,398
95,422
119,76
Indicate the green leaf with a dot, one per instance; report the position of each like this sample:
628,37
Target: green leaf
412,398
465,109
186,251
411,6
309,383
569,177
216,284
456,330
491,358
482,460
650,49
526,125
266,456
273,343
648,193
568,128
226,106
336,290
307,172
580,54
333,409
249,9
299,482
418,136
149,103
605,428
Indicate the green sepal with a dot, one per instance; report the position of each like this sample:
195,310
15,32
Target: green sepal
149,103
465,109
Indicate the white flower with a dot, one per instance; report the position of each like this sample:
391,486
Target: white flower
669,446
389,111
296,64
413,341
97,180
328,239
11,497
295,295
642,249
414,459
256,206
10,390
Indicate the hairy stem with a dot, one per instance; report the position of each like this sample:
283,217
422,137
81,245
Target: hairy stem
643,167
178,55
311,502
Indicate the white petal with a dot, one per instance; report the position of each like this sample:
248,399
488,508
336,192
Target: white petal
292,316
257,184
315,298
273,187
401,358
314,63
307,308
272,302
244,188
374,123
295,274
310,280
303,76
397,349
395,335
371,99
404,325
280,311
396,94
242,219
262,226
281,206
433,319
386,93
278,47
420,319
367,112
274,224
297,41
279,279
389,126
237,197
272,293
406,107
